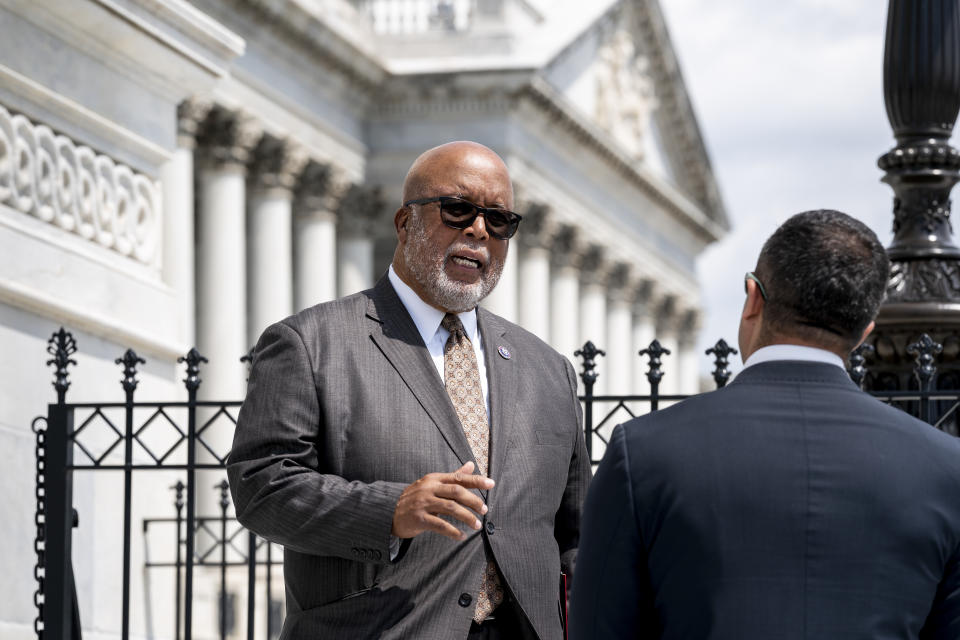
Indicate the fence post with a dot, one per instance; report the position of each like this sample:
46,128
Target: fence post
130,360
654,353
178,565
721,352
925,350
858,359
60,612
192,382
589,375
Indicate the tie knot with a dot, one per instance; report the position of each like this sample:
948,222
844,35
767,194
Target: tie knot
452,324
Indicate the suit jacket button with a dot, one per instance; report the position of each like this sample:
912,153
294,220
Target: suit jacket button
377,554
465,600
490,528
355,552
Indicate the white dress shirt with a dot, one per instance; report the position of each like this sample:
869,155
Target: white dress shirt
793,352
427,320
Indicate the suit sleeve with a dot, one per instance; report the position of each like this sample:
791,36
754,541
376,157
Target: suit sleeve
567,523
278,491
943,621
611,595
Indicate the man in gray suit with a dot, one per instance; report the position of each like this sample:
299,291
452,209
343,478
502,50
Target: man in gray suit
420,459
788,505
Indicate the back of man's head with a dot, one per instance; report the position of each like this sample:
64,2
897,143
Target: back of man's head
824,274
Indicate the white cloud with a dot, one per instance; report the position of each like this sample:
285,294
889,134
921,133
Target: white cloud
790,101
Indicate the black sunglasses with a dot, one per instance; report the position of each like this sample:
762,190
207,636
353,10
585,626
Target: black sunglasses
458,213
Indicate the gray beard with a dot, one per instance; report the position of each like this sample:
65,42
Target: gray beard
428,271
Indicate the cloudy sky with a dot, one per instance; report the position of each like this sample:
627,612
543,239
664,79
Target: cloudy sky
789,97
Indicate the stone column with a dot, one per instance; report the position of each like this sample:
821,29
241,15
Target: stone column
503,299
273,169
644,332
533,245
593,310
619,331
358,213
315,235
179,259
689,359
225,141
565,294
666,322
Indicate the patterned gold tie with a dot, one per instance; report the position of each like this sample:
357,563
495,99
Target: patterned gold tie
462,379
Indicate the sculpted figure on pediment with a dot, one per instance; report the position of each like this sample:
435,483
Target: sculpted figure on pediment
626,97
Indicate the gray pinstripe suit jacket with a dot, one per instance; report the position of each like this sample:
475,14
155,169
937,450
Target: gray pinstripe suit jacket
343,410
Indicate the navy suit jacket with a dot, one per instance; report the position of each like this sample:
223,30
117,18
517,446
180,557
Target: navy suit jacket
788,505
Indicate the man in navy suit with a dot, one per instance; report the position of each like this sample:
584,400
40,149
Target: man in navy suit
788,505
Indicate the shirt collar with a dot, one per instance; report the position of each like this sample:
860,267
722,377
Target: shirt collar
793,352
426,317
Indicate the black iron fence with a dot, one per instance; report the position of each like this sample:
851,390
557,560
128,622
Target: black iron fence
126,443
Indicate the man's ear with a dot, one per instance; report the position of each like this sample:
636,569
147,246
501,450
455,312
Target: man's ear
866,332
400,219
754,303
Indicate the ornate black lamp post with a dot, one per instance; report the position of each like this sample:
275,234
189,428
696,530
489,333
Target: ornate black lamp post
921,77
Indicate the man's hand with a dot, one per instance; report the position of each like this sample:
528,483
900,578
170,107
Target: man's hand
440,493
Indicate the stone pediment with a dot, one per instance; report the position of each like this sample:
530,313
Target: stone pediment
621,72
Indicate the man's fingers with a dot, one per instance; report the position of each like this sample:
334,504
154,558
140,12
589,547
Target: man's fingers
441,526
454,509
463,496
468,480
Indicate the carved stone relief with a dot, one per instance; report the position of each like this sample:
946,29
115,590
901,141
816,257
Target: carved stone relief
71,186
626,98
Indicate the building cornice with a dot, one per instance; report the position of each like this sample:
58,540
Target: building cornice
547,99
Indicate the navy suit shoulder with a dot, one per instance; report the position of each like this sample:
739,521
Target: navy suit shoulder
787,505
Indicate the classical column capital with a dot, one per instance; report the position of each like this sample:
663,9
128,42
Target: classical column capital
190,114
276,163
690,320
566,247
665,314
360,208
537,226
227,137
594,267
619,280
319,189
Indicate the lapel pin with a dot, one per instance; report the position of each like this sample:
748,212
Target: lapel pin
504,352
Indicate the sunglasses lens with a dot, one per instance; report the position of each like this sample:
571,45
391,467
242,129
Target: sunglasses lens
500,225
458,215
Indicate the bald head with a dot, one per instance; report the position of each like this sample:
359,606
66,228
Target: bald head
450,164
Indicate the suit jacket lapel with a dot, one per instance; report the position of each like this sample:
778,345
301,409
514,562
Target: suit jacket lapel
503,381
397,337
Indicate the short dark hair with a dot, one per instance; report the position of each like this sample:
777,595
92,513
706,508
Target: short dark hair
825,275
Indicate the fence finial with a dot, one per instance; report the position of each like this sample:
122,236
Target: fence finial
61,346
589,353
858,358
130,360
721,352
654,352
193,360
925,349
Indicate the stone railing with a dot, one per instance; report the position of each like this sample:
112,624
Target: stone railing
416,16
